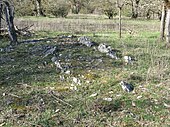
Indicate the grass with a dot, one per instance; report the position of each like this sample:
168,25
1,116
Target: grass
77,24
35,95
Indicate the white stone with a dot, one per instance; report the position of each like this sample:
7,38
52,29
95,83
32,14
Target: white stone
126,86
107,99
127,59
93,95
76,80
68,72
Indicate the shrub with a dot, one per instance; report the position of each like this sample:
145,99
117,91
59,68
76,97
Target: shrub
24,10
110,13
60,11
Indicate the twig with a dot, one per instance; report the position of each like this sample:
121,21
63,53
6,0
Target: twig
33,124
13,95
2,124
58,99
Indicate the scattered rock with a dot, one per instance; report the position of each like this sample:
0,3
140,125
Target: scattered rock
63,68
127,59
103,48
108,99
86,41
1,50
68,72
6,59
9,49
62,78
139,97
93,95
133,104
4,94
66,36
57,110
166,105
112,54
44,63
70,36
73,87
53,59
126,86
49,51
58,65
111,92
76,80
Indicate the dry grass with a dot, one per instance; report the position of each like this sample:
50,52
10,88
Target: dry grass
73,24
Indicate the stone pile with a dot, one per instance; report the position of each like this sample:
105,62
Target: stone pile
103,48
86,41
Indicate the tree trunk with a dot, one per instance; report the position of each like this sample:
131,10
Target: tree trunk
148,15
120,22
38,7
135,7
168,28
162,27
76,9
134,13
9,16
0,17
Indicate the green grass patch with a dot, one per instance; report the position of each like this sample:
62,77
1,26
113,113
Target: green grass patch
34,93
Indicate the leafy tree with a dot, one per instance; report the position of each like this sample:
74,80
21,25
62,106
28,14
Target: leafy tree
30,7
60,11
24,8
109,8
88,6
150,7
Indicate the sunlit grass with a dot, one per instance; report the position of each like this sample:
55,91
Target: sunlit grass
26,84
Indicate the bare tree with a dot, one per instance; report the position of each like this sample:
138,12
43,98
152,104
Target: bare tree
75,6
163,17
0,16
134,7
167,4
8,9
120,4
38,8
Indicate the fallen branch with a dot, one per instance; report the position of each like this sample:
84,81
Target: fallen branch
58,99
2,124
13,95
24,31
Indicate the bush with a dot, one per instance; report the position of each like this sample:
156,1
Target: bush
110,13
24,10
60,11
